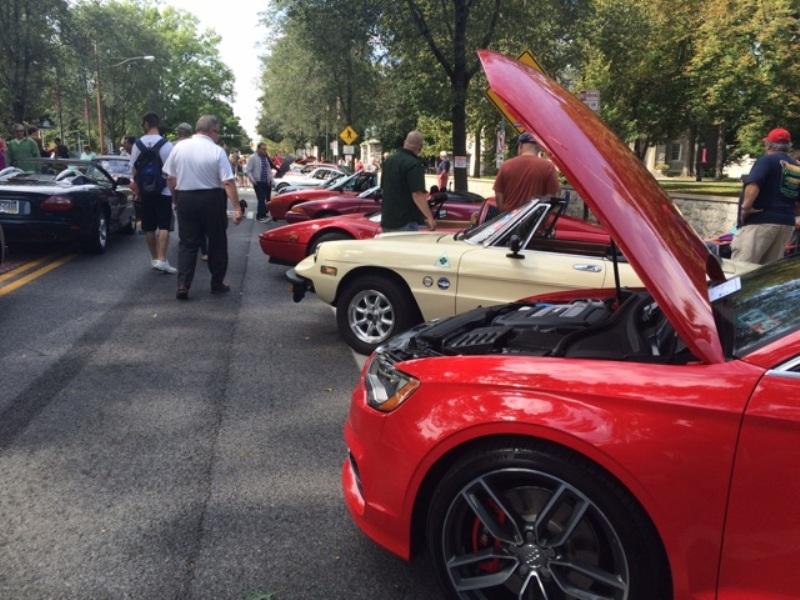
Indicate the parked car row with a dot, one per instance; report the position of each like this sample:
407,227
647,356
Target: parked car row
630,432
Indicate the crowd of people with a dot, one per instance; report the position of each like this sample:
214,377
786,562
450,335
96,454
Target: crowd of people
195,177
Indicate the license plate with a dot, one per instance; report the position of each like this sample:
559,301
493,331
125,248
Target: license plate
9,207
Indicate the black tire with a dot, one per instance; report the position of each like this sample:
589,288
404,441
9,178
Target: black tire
326,237
513,484
394,302
97,241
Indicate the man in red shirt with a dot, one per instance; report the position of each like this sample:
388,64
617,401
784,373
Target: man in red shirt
525,176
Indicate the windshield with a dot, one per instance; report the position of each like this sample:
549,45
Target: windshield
483,232
115,167
764,309
337,181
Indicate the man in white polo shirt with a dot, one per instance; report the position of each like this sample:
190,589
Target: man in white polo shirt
200,173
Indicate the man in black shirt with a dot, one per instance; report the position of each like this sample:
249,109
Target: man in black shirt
770,203
405,201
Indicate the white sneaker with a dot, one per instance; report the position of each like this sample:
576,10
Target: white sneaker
154,264
163,265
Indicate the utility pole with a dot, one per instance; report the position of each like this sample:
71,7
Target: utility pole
99,108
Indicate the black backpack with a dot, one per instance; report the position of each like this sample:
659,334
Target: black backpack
149,178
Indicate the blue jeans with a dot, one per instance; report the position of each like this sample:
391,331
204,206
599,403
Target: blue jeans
407,227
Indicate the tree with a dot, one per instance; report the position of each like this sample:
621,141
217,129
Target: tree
453,32
635,54
29,38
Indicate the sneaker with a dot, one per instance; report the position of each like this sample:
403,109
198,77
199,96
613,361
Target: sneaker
163,265
263,220
155,264
182,294
222,288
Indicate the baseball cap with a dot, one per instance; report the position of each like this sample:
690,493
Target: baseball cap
779,136
526,138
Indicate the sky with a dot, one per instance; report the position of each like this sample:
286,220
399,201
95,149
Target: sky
242,36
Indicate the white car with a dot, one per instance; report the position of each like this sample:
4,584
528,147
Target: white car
314,178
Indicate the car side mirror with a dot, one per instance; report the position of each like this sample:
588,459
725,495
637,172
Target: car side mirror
515,243
123,181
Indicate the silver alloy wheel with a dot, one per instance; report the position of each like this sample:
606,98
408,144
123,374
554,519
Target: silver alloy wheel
524,534
370,316
102,231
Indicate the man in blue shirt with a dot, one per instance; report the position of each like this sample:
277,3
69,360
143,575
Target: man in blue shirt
259,171
769,209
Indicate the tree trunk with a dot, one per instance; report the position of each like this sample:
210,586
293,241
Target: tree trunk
689,162
459,83
720,162
476,172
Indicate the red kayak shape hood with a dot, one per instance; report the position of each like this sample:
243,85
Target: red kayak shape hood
663,249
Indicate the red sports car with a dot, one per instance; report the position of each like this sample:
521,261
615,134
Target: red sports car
290,244
460,206
350,185
625,444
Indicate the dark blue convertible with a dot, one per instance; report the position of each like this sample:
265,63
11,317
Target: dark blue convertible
63,200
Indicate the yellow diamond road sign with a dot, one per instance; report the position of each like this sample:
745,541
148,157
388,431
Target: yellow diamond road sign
349,135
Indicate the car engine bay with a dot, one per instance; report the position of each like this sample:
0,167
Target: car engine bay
629,327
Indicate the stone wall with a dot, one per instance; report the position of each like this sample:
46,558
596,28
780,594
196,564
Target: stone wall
709,215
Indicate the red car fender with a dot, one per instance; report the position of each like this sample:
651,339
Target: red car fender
601,411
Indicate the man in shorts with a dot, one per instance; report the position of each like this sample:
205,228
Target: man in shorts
148,156
770,203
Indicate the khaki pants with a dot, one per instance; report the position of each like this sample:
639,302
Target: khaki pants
761,244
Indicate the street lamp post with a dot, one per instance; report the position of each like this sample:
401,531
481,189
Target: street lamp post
101,133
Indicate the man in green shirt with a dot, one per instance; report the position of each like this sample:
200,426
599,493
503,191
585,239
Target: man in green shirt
21,148
405,201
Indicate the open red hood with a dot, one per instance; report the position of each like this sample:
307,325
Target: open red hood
666,253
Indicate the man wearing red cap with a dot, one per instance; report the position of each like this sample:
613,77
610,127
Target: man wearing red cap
770,203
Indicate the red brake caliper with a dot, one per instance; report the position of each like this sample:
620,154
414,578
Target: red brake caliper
481,539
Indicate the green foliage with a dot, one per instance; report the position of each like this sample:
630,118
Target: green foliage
745,70
186,79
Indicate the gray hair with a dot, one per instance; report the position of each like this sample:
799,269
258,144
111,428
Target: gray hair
206,123
184,129
778,147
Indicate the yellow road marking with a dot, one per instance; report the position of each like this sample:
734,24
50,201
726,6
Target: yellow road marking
25,267
35,275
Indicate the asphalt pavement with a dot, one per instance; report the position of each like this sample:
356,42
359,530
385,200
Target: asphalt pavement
151,448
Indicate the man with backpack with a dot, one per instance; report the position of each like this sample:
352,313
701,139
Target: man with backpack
148,156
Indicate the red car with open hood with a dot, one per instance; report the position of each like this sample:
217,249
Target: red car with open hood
617,444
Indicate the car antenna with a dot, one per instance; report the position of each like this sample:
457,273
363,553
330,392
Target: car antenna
615,261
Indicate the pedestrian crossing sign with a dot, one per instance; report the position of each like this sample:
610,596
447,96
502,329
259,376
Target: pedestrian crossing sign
348,135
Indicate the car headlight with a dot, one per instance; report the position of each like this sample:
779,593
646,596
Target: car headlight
387,387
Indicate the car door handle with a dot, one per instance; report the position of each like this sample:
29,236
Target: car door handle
587,268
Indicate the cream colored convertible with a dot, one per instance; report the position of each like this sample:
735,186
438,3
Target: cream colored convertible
385,285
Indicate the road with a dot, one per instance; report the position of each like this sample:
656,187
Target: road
151,448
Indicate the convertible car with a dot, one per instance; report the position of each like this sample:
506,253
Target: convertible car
608,444
383,286
306,178
460,206
350,185
65,200
289,244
